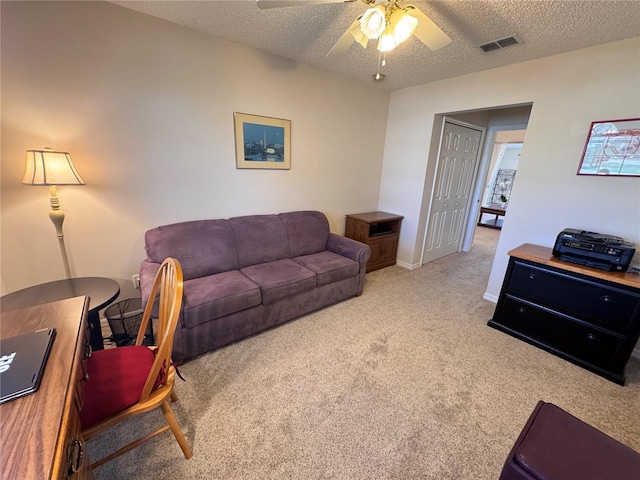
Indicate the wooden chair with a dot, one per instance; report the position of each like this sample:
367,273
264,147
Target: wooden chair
130,380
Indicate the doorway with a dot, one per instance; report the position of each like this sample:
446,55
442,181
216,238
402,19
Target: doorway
500,177
497,135
495,120
502,171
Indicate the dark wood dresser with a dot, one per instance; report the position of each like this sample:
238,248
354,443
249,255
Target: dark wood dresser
379,230
587,316
40,433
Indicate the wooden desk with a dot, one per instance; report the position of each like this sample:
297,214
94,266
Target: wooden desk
101,292
40,433
496,210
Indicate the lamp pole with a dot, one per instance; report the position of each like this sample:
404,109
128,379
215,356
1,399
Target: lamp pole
57,217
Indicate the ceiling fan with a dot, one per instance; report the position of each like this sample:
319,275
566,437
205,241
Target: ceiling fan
391,22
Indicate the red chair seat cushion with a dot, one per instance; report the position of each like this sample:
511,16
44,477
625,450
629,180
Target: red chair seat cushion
116,379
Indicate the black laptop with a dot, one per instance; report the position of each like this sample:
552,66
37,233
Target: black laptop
22,362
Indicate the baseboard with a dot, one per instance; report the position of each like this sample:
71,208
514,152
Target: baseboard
490,297
408,266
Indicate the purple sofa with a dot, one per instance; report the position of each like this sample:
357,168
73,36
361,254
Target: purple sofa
245,274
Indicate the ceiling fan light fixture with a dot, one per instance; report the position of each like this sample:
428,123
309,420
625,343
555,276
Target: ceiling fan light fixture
387,40
390,23
373,22
402,25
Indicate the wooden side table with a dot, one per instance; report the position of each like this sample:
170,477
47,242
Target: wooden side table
496,210
101,292
379,230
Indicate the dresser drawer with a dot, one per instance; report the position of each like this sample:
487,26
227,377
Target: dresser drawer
75,455
83,375
567,335
607,305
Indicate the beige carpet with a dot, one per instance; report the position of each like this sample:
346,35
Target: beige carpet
405,382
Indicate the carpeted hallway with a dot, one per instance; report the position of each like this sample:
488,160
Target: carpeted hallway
405,382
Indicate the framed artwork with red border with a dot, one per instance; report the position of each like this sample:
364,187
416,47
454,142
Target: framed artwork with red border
612,149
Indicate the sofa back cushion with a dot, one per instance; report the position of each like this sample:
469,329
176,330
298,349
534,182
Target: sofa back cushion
203,247
308,232
260,239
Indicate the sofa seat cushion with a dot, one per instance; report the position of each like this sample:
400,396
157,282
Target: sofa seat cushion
215,296
329,267
280,278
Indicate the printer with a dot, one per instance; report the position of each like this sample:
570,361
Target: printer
605,252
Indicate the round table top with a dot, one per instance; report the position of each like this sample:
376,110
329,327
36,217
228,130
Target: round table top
101,292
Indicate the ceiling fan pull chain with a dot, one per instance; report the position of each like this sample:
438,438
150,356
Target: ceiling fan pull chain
378,77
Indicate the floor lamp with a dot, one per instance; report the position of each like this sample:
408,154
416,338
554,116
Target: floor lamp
50,168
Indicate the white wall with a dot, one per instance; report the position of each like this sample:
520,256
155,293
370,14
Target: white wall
146,110
568,92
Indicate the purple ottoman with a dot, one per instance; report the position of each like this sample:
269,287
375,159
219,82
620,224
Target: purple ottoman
555,445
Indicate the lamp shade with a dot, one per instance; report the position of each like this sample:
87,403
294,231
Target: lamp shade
373,22
358,34
387,40
403,25
47,167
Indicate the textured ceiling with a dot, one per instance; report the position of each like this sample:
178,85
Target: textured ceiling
306,33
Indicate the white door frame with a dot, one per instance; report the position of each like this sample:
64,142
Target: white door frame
483,166
471,198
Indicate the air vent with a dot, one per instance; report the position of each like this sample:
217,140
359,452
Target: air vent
500,43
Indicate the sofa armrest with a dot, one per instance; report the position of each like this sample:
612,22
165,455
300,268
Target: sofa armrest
347,247
148,271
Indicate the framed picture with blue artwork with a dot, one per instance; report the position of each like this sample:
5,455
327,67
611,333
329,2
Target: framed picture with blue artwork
262,142
612,149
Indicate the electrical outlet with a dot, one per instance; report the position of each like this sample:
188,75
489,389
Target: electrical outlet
136,281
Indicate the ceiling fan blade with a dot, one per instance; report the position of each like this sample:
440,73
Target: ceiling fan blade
292,3
345,41
427,31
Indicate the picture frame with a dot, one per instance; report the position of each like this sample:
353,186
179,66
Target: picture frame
612,149
262,142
